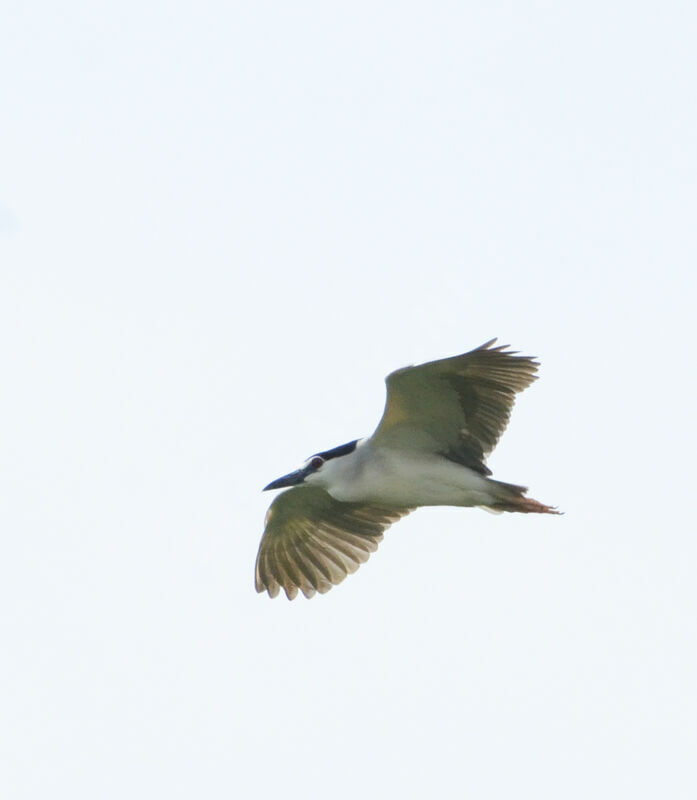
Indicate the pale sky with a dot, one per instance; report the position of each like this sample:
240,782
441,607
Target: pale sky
221,226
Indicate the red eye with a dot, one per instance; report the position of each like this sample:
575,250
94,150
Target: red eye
316,462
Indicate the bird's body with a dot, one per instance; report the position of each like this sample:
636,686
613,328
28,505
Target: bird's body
402,478
441,420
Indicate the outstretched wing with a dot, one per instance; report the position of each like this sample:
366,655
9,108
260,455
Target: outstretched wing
312,542
457,406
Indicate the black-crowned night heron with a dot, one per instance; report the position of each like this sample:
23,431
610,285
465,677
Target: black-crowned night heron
441,420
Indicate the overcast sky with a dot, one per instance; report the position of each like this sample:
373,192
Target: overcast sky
221,226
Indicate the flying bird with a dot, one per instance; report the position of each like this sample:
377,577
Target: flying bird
441,421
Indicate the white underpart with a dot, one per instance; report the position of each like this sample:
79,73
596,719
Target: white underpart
401,478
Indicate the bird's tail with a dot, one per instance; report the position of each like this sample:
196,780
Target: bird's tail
509,497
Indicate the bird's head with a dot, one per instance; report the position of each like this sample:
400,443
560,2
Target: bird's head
311,471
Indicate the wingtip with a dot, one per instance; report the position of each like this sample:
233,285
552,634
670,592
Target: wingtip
505,348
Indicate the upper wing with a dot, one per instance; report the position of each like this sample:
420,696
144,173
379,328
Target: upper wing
312,542
458,406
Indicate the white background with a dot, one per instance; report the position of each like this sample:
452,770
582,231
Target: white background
221,226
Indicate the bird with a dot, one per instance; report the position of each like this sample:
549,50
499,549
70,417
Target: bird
440,422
